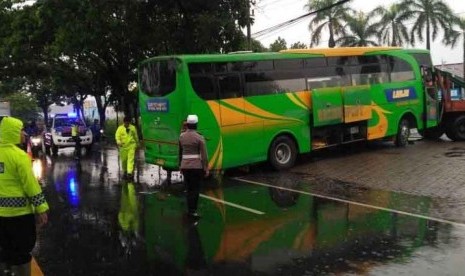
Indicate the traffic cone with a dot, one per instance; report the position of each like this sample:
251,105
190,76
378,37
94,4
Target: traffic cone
29,150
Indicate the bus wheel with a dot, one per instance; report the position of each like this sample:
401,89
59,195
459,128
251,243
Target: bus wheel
282,153
456,130
403,133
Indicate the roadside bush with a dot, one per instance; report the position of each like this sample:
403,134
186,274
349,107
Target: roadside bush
109,131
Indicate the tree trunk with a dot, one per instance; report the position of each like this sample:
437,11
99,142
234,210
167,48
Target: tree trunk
428,46
45,111
101,111
394,35
331,42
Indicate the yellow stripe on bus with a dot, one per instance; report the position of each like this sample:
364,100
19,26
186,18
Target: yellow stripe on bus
35,269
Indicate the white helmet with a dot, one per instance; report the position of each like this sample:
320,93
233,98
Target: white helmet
192,119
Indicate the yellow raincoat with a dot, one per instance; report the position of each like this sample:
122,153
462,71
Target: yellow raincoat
20,192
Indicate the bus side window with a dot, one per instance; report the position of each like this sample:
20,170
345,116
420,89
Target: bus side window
230,86
400,70
204,86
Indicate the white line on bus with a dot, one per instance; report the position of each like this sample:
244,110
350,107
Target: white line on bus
354,202
233,205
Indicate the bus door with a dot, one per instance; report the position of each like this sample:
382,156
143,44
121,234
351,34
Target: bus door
432,114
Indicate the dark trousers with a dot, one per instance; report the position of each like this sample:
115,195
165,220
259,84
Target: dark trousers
17,239
193,179
77,149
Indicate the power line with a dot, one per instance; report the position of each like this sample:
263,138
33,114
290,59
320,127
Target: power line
295,20
266,4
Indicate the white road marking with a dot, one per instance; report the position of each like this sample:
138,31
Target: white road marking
233,205
148,192
354,203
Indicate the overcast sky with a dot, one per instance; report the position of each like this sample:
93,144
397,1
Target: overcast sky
269,13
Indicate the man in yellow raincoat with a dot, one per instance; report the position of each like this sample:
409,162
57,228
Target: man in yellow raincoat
127,140
22,204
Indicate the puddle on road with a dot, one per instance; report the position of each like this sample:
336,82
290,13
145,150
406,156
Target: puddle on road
245,229
455,152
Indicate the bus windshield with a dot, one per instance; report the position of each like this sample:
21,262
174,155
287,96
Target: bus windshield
158,78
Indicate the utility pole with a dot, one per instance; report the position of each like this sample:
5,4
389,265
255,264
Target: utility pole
249,19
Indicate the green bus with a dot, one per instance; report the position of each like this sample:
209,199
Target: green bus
254,107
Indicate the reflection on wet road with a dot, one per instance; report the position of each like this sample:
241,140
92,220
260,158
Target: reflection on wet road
269,224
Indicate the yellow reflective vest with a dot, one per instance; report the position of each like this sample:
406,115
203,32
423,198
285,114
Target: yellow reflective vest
74,130
127,136
20,192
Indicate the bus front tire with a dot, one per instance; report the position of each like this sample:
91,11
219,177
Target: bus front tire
403,133
282,153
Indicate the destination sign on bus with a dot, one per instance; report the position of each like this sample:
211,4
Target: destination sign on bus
403,94
158,105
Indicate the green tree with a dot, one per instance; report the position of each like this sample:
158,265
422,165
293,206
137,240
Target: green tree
298,45
257,46
431,16
453,37
278,45
24,65
93,47
22,105
331,19
362,33
391,25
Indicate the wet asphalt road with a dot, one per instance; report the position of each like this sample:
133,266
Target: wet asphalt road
255,223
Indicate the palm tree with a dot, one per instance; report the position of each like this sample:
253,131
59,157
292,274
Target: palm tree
430,17
452,37
361,32
391,26
332,18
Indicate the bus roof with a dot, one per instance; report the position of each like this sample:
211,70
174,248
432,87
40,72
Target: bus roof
340,51
245,55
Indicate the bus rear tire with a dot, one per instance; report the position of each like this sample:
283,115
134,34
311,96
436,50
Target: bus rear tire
403,133
282,153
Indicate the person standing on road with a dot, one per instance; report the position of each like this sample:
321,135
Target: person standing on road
95,128
127,140
193,162
22,204
76,138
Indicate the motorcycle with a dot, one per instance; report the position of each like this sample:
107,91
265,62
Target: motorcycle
36,145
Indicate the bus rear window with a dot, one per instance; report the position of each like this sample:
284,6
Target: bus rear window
158,78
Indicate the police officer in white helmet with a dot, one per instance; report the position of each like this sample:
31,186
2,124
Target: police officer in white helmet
193,162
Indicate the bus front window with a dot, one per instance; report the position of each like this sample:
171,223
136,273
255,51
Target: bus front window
158,78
